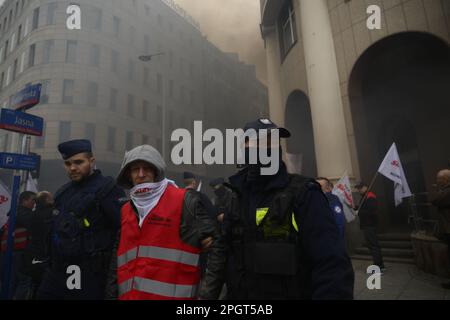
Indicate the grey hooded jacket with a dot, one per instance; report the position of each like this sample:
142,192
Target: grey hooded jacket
196,225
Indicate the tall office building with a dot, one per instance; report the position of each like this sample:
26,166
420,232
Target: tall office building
95,86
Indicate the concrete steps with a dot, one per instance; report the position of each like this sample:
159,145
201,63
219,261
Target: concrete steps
386,259
395,247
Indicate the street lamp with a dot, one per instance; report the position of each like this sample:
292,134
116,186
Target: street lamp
148,58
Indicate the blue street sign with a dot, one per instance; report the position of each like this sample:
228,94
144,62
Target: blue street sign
27,98
18,161
21,122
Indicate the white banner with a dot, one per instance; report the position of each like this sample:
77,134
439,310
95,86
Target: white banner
392,168
5,204
31,184
343,191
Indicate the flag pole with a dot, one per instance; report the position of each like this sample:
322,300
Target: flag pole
363,200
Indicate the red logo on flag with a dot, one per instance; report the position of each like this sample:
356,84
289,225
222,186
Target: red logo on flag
395,163
3,199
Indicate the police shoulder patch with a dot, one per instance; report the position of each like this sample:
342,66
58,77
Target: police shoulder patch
337,209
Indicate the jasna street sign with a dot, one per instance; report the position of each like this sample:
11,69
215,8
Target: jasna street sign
21,122
27,98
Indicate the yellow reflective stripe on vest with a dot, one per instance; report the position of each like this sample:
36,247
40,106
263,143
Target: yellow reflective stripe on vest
262,212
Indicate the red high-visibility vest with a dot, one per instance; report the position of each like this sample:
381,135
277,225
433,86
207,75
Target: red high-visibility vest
21,238
153,263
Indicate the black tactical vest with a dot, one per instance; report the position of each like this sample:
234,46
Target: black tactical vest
266,258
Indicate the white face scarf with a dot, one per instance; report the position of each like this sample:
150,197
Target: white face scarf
146,196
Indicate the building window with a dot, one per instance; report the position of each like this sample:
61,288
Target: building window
2,79
95,18
171,88
147,10
146,77
45,92
49,46
10,18
183,94
51,13
111,143
19,35
114,61
32,55
35,23
15,69
145,140
64,131
170,59
288,29
159,114
6,50
145,109
71,51
146,44
68,88
40,141
159,83
116,26
132,34
131,70
129,141
130,106
113,94
92,94
192,102
90,132
94,55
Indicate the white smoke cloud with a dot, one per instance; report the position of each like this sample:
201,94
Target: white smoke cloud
233,26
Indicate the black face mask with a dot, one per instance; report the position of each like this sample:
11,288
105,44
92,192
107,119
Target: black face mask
254,170
219,192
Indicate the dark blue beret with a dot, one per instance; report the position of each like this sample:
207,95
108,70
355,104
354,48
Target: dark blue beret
188,175
70,148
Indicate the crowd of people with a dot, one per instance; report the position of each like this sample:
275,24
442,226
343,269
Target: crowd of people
140,236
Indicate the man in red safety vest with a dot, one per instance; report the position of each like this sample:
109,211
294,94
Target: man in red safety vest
21,281
163,231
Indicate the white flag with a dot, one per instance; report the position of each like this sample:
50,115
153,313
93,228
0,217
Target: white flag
5,204
392,168
343,191
31,184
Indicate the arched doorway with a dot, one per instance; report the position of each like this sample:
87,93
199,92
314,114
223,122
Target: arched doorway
300,147
399,92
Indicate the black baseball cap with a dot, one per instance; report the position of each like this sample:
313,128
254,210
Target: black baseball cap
267,124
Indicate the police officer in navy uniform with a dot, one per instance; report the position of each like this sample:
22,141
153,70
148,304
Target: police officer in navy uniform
283,242
85,221
334,202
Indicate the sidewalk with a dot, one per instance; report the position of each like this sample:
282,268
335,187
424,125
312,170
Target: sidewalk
399,282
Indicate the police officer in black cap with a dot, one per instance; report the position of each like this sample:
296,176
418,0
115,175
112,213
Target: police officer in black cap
282,238
85,222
